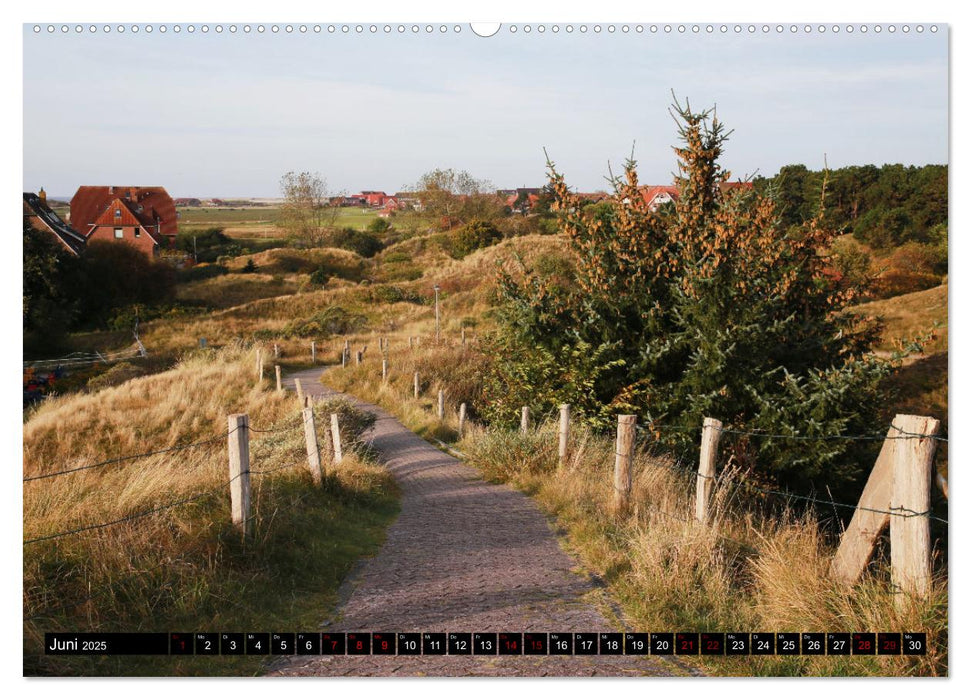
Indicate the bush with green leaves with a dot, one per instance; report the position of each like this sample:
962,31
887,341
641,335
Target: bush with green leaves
473,236
379,225
250,266
353,420
706,308
320,276
334,320
367,245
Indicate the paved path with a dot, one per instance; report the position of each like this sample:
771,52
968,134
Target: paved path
464,555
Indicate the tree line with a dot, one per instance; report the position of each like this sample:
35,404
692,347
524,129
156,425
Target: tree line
884,206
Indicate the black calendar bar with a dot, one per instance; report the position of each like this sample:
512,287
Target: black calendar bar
484,643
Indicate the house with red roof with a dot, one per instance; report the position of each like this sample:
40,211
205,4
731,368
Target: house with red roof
657,195
144,217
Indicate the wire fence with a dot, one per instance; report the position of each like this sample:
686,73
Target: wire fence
898,511
78,359
152,511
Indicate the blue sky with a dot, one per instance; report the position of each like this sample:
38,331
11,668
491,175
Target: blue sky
227,115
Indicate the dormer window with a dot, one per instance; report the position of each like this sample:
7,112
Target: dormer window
117,213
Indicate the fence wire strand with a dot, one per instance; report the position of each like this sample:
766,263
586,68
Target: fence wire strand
134,516
899,511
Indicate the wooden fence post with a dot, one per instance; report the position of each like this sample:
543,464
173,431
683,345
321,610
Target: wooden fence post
299,386
564,433
441,404
879,497
335,433
276,351
384,370
623,462
259,362
313,352
910,528
279,378
463,336
710,436
313,451
239,487
524,421
417,386
411,342
461,419
359,356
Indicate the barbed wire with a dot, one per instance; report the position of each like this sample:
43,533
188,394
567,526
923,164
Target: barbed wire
134,516
904,434
116,460
174,448
898,511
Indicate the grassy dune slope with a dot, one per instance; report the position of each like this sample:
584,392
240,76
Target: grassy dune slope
185,568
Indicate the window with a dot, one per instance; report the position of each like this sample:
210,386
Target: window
138,233
119,233
117,213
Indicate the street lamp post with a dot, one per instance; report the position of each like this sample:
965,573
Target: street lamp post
437,316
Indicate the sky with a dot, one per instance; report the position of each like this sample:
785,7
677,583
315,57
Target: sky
226,115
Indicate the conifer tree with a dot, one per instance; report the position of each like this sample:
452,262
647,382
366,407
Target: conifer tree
706,308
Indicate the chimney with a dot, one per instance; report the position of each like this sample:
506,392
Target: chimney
133,194
43,195
111,189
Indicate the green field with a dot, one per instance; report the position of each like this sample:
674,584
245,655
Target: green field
260,221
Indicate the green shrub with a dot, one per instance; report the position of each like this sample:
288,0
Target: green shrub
334,320
474,235
250,266
397,256
379,225
364,244
354,421
320,276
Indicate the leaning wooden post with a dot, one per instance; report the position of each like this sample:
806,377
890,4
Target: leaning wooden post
461,419
441,404
239,490
313,352
524,421
313,451
279,378
564,433
384,370
417,386
910,528
335,433
299,386
623,462
711,432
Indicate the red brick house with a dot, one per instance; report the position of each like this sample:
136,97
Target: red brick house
44,219
371,198
141,216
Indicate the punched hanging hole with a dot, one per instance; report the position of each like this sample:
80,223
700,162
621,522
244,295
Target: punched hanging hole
485,29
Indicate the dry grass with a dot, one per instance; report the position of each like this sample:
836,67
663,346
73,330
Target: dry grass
184,567
909,316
